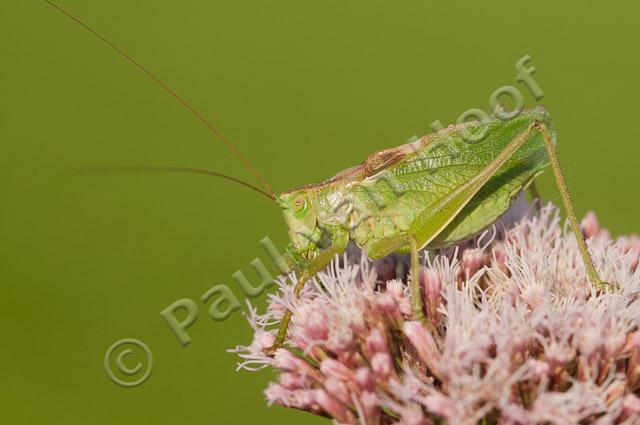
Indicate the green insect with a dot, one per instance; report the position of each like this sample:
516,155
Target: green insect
431,193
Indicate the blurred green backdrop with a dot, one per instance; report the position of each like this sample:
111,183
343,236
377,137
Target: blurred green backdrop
304,89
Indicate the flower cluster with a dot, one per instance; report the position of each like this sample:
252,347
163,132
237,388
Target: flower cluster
515,334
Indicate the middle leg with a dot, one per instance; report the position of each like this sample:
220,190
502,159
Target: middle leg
386,246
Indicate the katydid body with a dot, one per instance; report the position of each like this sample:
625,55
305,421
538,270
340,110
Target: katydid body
431,193
384,197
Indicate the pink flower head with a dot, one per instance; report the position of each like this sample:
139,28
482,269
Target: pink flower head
515,333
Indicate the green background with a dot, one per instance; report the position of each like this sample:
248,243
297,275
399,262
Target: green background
304,88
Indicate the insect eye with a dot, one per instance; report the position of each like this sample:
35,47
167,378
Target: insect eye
298,204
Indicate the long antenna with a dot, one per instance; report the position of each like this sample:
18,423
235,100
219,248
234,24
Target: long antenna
169,90
102,169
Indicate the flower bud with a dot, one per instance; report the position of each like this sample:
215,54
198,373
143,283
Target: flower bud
316,326
376,342
472,261
370,407
332,406
337,389
364,379
430,283
341,339
423,342
589,225
333,368
382,365
285,360
387,303
293,381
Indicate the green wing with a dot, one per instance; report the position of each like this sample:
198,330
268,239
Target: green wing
387,201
